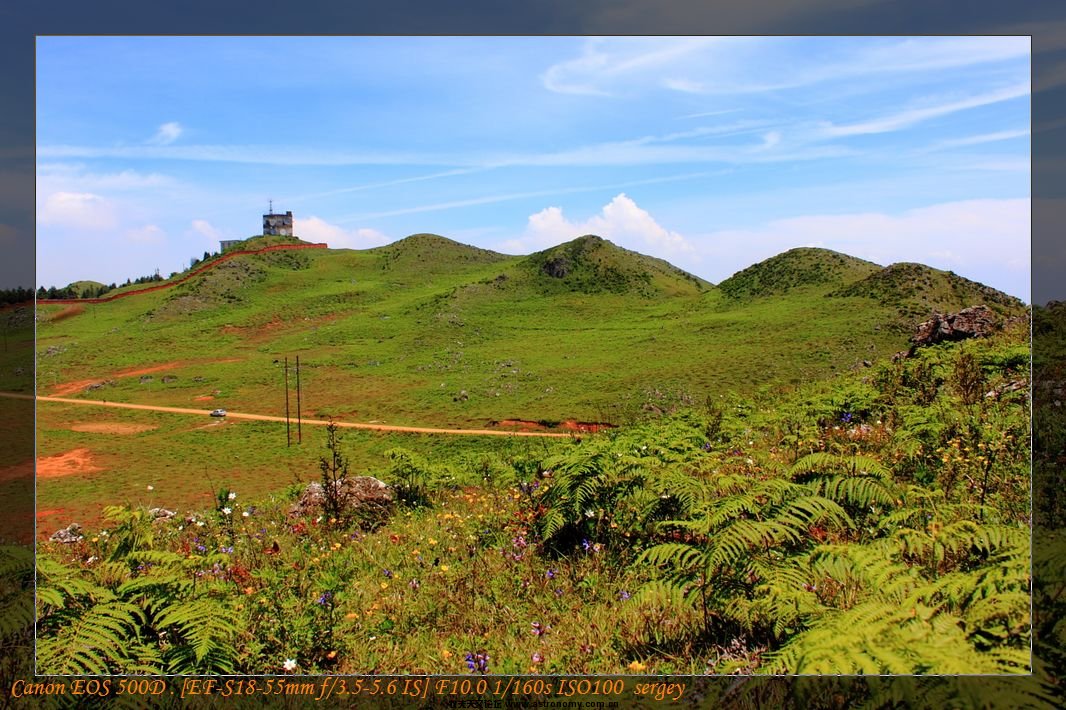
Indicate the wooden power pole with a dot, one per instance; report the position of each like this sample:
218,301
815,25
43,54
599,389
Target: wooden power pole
288,434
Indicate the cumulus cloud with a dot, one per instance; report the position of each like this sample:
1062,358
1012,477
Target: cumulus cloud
147,234
316,229
166,134
206,229
78,210
621,220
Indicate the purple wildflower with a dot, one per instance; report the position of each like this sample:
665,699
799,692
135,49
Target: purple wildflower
387,573
624,595
478,662
324,598
550,574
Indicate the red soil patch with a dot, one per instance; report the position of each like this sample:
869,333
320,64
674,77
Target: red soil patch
79,385
203,398
72,462
111,428
68,312
50,511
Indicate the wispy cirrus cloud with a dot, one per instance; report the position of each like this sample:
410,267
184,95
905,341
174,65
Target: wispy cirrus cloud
510,196
906,119
979,139
611,67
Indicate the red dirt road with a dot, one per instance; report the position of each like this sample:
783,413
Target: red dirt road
312,422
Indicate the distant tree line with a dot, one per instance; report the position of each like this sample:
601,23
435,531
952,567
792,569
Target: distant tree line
21,294
15,295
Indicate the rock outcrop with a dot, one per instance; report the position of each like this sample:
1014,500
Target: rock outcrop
362,497
973,322
69,534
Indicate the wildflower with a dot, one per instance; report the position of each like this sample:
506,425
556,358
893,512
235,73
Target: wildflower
151,487
324,598
414,584
387,573
199,523
624,595
228,549
446,654
444,568
289,664
245,514
539,629
232,495
538,657
550,574
585,544
478,662
227,510
637,666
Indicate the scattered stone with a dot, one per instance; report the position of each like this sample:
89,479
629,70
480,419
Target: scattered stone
867,363
364,497
1012,386
973,322
67,535
161,513
461,397
146,378
198,378
169,378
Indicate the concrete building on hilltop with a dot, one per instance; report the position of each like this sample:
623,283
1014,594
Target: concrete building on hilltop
277,225
229,243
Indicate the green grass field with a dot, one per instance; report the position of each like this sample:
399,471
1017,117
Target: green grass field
777,494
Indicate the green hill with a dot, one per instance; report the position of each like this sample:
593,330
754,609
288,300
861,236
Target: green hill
794,269
431,254
87,289
916,291
591,264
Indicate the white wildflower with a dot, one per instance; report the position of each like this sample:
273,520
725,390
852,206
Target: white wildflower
289,664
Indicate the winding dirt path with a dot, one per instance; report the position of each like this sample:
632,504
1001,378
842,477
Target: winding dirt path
312,422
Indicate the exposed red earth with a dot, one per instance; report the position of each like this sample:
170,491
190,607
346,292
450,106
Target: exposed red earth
79,385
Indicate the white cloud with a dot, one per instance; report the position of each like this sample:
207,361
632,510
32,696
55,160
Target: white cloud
77,210
316,229
147,234
743,65
979,139
621,220
206,229
605,66
73,177
905,119
166,134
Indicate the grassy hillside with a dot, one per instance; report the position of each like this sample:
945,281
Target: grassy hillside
917,290
427,332
796,269
593,265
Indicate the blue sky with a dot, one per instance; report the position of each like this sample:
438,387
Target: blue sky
712,153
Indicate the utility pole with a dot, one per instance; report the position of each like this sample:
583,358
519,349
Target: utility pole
299,419
288,434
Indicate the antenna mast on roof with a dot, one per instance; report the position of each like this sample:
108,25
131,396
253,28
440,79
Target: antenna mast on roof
271,206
